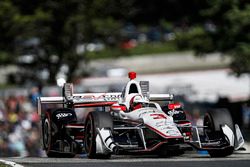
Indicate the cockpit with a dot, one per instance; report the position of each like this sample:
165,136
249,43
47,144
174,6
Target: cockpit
132,86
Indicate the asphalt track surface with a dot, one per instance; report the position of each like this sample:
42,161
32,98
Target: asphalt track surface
239,159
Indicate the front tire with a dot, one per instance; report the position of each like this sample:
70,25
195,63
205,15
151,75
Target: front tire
214,120
96,120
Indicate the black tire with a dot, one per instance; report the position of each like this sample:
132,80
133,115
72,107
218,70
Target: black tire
217,153
47,135
48,139
93,121
213,120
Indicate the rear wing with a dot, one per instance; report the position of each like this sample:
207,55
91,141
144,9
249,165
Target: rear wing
79,100
97,97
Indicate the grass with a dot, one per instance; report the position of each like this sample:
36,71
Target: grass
4,165
106,53
154,47
140,49
6,86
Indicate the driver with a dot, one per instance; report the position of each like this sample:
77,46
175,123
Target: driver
136,102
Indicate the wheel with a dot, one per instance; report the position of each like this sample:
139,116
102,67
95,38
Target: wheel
221,153
47,135
213,120
96,120
49,139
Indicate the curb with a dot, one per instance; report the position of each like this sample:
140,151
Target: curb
13,164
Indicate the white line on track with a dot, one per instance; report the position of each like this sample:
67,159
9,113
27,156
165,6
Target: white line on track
130,159
13,164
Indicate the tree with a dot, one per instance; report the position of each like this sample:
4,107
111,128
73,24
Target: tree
59,27
8,31
230,21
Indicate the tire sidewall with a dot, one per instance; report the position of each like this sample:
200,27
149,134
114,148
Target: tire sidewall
96,120
90,146
216,119
47,143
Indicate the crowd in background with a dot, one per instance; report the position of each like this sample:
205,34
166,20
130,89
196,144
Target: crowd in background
19,125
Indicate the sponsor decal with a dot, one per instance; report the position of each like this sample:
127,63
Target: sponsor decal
105,97
63,115
173,112
159,124
173,133
158,116
145,112
174,106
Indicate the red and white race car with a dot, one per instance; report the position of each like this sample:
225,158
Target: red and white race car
130,122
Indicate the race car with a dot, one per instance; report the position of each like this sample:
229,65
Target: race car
130,122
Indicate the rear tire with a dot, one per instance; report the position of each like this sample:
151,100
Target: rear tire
47,135
213,120
49,139
93,121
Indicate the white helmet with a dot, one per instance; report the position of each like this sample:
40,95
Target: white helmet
137,102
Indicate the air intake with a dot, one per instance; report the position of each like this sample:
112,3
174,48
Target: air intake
145,88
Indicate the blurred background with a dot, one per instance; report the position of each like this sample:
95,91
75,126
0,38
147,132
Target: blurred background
197,50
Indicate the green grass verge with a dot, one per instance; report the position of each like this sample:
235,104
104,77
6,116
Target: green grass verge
141,49
4,165
154,47
106,53
6,86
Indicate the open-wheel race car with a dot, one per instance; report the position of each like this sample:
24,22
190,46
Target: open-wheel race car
130,122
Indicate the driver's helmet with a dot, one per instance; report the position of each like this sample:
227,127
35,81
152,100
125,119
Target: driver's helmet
137,102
